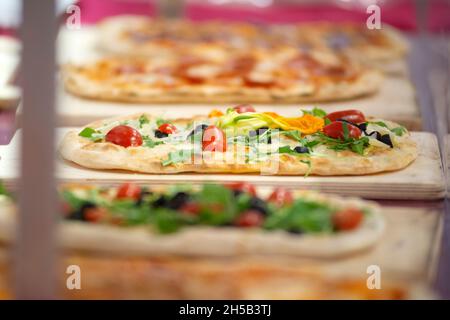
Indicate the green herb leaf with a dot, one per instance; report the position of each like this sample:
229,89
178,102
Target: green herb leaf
87,132
355,145
150,143
143,119
302,216
177,157
217,204
345,130
399,131
317,112
380,123
161,121
91,134
307,162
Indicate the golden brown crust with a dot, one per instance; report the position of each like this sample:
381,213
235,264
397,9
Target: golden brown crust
174,278
103,155
77,83
146,37
197,241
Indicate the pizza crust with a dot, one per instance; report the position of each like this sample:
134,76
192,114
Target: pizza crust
386,57
367,82
104,155
204,241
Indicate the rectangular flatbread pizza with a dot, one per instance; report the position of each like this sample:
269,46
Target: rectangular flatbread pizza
135,35
282,75
194,221
242,140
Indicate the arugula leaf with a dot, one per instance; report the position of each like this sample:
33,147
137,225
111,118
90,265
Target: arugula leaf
143,119
356,145
177,157
381,124
327,121
302,216
167,221
345,130
399,131
161,121
217,204
72,199
296,135
307,162
287,149
150,143
91,134
317,112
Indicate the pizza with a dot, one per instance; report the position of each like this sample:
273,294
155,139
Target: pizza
375,47
135,35
284,75
206,278
194,221
242,140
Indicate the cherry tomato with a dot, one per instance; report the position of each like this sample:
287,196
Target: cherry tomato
124,136
214,140
347,219
242,108
244,187
354,116
336,130
249,218
281,196
95,214
128,191
190,208
65,208
167,128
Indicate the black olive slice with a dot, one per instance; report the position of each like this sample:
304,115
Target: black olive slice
300,149
80,213
160,134
178,200
386,139
258,204
160,202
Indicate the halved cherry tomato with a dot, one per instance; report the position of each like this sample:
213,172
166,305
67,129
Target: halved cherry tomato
249,218
214,140
244,187
95,214
354,116
281,196
242,108
347,219
167,128
190,208
128,191
124,136
336,130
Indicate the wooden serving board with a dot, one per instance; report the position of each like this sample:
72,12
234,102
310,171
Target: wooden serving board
422,180
396,100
